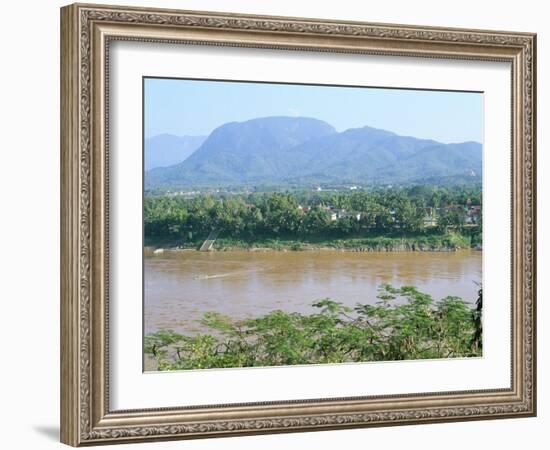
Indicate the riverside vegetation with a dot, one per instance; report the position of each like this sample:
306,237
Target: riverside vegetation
403,324
420,217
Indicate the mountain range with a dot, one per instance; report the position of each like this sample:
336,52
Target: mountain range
301,150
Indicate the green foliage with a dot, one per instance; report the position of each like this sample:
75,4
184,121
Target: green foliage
307,215
403,324
158,344
453,219
477,313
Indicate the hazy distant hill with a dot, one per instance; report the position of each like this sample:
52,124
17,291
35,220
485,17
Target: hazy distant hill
304,150
166,149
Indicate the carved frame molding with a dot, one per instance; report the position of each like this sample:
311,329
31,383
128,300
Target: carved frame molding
86,31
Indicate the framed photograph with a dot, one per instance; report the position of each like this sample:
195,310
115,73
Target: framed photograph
278,224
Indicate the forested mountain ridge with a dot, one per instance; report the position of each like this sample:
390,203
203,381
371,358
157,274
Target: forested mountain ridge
300,150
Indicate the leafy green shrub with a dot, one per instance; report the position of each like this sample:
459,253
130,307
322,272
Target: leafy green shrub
403,324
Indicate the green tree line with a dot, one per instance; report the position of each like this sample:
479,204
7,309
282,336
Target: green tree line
304,214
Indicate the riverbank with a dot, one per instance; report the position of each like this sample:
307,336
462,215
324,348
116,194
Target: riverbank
420,243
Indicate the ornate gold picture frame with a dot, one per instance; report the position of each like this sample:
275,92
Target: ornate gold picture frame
87,32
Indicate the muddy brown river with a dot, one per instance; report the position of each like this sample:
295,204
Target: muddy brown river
181,286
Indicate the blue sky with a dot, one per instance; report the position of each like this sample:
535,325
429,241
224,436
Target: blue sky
194,107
